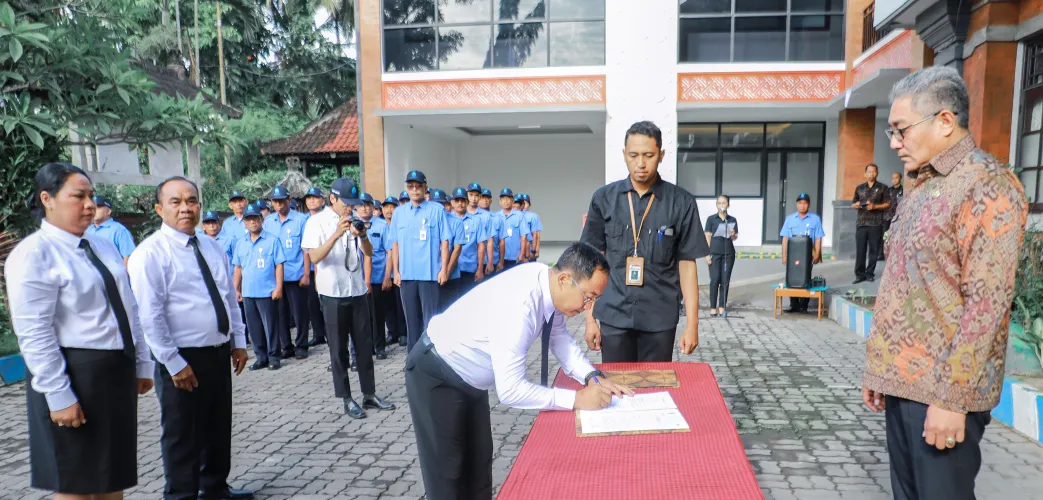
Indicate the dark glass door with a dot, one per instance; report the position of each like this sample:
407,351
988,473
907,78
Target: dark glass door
789,174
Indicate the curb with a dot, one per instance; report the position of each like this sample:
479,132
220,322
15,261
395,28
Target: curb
851,316
12,369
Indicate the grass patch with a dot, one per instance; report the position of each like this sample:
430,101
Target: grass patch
8,344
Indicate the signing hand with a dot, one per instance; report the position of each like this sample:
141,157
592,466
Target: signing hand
614,388
238,360
690,338
69,417
144,385
873,400
592,397
185,379
941,425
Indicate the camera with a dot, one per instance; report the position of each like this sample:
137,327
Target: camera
360,225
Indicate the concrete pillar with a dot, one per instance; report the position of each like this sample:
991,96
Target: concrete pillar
370,68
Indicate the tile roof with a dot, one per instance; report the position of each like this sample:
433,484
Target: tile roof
335,132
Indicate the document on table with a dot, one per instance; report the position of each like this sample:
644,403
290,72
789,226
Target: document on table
654,411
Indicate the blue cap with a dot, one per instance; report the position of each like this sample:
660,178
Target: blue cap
416,176
804,197
376,204
390,200
518,198
293,204
211,216
486,192
346,190
236,195
525,197
262,204
366,197
314,191
102,202
438,196
280,193
403,195
252,210
507,192
474,186
460,193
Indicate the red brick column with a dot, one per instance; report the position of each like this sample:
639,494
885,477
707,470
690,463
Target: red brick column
854,148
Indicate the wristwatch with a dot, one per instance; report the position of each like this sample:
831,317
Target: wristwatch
599,373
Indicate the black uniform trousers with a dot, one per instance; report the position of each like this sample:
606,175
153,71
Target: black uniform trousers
381,303
627,345
348,317
801,303
453,429
447,295
292,307
921,472
196,441
420,302
315,317
720,277
396,320
871,239
261,318
242,313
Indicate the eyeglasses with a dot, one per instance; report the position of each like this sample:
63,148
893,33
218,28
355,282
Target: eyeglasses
586,300
899,133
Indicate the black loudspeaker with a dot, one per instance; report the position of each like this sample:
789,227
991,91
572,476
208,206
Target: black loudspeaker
798,268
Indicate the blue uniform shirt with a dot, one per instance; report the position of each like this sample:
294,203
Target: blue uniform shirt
535,224
289,232
810,225
227,244
419,231
258,260
116,233
234,228
378,232
494,229
471,233
456,237
514,229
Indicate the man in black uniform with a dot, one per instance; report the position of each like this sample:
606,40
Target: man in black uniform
649,230
894,194
872,201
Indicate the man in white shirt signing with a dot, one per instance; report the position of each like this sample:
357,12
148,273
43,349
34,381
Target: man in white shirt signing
452,368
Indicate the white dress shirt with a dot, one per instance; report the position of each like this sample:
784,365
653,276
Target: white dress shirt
332,277
486,334
175,308
57,299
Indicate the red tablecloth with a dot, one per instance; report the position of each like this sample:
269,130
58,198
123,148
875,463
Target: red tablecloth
707,463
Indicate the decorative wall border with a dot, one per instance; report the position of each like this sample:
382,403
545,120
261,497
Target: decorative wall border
895,54
806,86
498,92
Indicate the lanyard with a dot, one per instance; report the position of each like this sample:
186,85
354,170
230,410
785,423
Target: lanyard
636,229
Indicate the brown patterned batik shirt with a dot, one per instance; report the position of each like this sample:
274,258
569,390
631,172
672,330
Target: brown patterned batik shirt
940,324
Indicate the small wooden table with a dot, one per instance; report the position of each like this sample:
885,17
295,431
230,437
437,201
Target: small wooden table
804,293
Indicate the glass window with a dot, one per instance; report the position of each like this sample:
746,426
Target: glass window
519,9
400,12
742,135
705,6
697,172
760,5
411,49
760,39
741,173
795,135
1028,155
816,6
1029,180
463,47
464,11
1034,117
577,44
816,38
520,45
705,39
697,136
577,9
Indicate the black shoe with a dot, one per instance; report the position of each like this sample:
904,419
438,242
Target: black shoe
274,364
301,354
857,281
372,402
352,409
382,355
258,365
388,340
402,342
315,342
354,367
794,310
871,279
226,494
286,355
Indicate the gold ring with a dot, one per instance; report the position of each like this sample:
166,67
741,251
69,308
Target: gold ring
950,442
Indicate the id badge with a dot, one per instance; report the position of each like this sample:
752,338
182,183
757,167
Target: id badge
260,263
423,232
510,232
289,243
635,271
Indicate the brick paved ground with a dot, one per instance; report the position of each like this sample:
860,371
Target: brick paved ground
791,384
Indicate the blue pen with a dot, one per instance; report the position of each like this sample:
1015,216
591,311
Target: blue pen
596,380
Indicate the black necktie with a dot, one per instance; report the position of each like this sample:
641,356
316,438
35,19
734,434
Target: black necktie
112,292
543,350
211,288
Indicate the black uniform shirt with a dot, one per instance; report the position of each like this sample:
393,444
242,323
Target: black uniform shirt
670,234
719,245
877,195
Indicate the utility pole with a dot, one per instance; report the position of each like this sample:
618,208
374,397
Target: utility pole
196,64
221,72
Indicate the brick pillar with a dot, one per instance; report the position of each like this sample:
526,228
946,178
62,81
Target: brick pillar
854,151
989,75
370,66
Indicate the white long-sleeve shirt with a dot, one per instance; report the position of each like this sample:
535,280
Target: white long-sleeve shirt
486,334
57,299
174,306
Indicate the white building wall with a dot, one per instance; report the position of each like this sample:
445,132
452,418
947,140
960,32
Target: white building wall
830,163
409,148
748,213
641,78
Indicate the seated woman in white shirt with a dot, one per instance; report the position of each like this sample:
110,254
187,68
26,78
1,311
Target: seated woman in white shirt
87,359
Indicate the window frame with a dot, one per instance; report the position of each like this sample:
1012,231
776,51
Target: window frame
1032,68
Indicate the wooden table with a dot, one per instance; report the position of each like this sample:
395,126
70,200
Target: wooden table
803,293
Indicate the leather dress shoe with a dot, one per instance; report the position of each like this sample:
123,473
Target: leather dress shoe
372,402
352,409
871,279
381,355
402,342
286,355
315,342
274,364
857,281
226,494
301,354
258,365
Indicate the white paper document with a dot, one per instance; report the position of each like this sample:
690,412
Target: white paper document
654,411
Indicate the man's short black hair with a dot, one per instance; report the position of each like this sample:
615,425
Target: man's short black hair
648,129
874,166
159,188
581,261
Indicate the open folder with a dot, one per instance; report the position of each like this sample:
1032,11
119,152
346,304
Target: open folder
647,413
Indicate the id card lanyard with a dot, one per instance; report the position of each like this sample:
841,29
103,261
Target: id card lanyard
635,264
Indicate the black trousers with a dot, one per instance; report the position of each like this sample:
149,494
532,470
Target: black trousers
448,294
292,307
397,322
242,313
315,317
920,471
720,278
348,317
196,441
464,285
420,302
620,345
453,430
871,239
800,303
381,304
261,318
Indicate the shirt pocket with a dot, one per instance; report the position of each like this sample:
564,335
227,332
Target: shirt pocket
665,248
618,242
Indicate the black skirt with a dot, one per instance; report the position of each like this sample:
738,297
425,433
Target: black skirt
100,456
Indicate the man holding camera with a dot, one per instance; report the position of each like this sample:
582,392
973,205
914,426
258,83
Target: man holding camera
872,201
342,253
